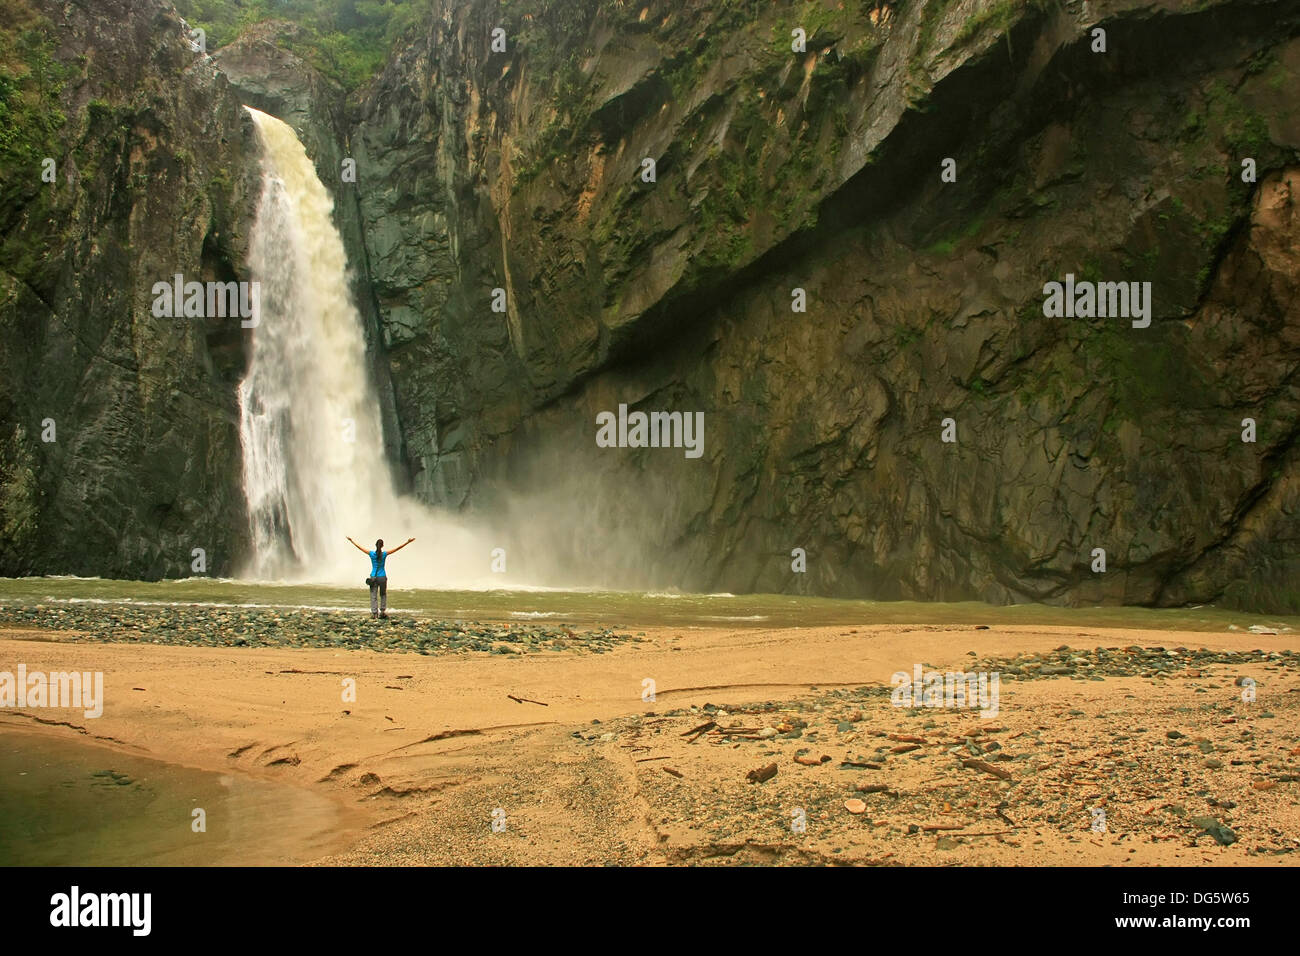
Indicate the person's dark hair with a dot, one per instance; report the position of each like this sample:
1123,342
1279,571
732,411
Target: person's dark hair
379,545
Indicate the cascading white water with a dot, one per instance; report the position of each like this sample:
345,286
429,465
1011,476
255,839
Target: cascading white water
314,465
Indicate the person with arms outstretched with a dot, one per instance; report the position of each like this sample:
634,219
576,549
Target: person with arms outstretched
378,579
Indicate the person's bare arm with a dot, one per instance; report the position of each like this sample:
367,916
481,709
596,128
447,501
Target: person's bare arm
401,546
359,548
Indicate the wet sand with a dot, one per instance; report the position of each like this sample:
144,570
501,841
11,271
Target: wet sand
434,744
68,800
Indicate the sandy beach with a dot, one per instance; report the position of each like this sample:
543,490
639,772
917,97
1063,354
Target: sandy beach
564,751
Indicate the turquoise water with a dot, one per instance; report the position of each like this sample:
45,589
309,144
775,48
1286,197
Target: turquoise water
66,802
628,608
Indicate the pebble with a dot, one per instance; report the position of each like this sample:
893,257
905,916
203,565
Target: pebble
231,626
1223,835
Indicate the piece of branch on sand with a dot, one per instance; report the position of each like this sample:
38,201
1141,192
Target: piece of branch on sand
525,700
698,731
987,768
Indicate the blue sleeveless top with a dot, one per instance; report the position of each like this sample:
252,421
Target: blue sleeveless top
377,564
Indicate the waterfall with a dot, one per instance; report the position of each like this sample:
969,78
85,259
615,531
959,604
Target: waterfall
314,464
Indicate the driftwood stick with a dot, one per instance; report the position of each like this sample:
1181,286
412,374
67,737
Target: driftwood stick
987,768
525,700
698,731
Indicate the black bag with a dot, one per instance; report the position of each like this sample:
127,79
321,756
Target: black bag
370,582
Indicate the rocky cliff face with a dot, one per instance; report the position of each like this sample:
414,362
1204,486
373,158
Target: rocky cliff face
775,170
119,430
821,171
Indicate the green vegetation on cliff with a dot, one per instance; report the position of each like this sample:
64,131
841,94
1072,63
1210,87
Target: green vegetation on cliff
30,82
347,40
